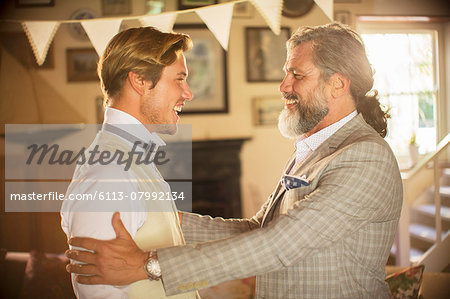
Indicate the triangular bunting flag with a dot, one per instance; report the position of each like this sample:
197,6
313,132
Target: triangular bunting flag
40,36
326,6
218,20
163,22
271,12
100,32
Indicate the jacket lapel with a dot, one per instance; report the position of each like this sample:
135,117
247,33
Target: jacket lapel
328,147
279,190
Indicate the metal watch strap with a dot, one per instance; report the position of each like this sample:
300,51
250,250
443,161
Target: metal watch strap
151,266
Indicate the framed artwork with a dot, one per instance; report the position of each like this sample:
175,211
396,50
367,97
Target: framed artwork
266,110
34,3
343,16
207,67
16,44
116,7
81,65
187,4
265,54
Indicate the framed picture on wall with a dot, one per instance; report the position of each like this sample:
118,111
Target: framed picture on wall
187,4
34,3
207,67
81,65
266,110
265,54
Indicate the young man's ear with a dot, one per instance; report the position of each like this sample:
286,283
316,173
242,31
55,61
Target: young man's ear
138,83
340,85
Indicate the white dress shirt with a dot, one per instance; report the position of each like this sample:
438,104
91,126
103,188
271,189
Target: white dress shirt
306,145
98,224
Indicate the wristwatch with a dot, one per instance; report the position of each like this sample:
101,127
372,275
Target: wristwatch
151,266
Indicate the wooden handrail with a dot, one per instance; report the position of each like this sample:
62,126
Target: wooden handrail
428,158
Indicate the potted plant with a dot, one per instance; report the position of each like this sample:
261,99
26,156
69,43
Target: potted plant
413,151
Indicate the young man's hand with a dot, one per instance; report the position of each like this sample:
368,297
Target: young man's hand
116,262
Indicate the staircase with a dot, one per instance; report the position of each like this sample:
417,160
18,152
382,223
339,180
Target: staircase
422,229
423,235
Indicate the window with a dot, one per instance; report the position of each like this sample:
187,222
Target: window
405,64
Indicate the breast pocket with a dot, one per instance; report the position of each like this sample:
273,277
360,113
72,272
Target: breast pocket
292,196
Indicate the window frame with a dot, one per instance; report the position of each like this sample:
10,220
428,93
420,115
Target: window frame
438,32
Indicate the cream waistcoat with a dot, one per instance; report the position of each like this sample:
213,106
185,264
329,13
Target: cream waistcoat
161,228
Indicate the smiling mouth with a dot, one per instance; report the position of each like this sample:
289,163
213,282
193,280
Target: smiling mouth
178,108
289,103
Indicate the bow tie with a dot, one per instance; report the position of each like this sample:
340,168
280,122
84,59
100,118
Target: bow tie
292,181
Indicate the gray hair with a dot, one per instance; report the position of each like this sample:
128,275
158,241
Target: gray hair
339,49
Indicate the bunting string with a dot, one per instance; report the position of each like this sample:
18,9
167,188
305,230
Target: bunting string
217,18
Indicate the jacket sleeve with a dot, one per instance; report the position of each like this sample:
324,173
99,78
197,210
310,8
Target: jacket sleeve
197,228
361,185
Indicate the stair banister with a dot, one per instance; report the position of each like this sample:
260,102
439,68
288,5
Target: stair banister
437,201
402,254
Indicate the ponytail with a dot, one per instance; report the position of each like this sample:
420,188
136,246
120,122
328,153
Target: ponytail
372,111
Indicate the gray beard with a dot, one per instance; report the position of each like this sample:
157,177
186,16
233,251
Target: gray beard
297,121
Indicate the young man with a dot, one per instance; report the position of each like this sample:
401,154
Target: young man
327,229
143,76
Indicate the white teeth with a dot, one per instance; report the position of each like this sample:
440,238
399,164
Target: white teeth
178,108
290,102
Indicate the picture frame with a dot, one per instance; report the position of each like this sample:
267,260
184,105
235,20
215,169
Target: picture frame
82,65
343,16
266,110
207,67
34,3
187,4
116,7
265,54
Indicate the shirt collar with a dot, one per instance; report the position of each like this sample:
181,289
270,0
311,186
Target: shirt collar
315,140
131,125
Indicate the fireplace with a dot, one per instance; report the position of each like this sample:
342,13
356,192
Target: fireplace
216,174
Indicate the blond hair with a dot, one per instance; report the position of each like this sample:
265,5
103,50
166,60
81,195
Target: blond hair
145,51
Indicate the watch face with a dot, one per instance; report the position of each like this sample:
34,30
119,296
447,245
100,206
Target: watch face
153,268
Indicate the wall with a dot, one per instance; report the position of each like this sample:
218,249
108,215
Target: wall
264,156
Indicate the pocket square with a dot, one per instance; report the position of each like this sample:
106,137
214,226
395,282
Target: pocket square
292,182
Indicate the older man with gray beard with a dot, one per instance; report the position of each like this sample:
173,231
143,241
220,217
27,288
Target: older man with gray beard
326,230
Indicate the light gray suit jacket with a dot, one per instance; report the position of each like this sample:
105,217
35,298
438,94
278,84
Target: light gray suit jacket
330,239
